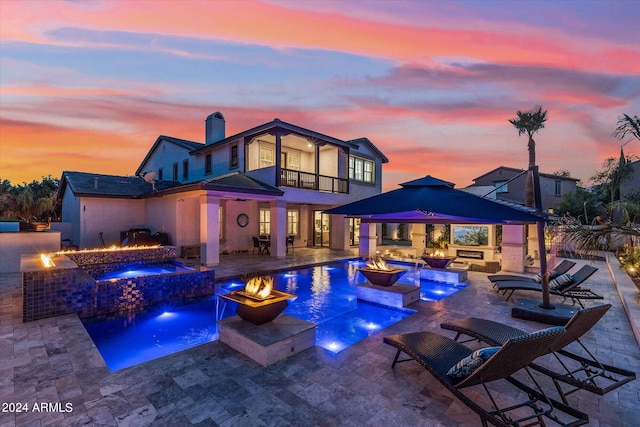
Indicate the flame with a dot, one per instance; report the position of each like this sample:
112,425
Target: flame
111,248
377,264
47,261
259,286
437,254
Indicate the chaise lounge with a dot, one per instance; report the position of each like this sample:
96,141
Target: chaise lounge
562,268
448,361
580,373
568,287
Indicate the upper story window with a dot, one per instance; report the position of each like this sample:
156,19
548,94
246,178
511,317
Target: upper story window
558,188
266,156
361,169
207,164
290,160
185,169
501,186
175,171
233,156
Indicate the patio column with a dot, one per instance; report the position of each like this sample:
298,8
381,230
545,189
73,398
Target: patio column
418,238
367,247
278,228
339,226
209,230
513,248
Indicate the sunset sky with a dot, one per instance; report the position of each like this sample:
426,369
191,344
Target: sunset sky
89,85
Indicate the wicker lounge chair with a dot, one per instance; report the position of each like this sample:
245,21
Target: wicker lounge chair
564,266
580,373
438,354
570,289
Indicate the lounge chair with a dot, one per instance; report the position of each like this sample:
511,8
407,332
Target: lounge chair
562,268
438,354
579,372
570,289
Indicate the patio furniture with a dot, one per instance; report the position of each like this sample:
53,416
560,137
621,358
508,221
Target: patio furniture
579,372
561,268
570,289
290,243
439,354
256,245
265,244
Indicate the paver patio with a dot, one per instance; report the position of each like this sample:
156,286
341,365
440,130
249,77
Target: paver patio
54,361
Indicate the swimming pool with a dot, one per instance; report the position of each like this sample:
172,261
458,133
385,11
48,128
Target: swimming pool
325,295
142,269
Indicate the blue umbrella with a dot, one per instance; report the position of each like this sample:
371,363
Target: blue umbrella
431,200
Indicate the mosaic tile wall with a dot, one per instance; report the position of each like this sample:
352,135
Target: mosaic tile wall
54,292
83,258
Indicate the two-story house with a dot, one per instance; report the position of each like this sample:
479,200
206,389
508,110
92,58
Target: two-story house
510,184
275,179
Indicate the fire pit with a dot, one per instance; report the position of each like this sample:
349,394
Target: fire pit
437,259
259,303
380,274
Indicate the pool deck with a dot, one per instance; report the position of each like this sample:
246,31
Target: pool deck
53,361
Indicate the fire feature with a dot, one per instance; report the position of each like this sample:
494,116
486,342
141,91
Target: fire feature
259,303
378,272
438,259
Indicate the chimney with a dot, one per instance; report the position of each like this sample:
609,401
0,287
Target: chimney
214,128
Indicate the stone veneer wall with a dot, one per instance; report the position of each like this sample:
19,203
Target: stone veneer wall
53,292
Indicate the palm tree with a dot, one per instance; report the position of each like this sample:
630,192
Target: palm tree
530,122
627,126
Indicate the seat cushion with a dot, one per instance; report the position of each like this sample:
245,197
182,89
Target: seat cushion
561,281
470,363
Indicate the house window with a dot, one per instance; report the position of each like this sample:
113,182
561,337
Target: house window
266,157
207,164
292,222
185,169
233,156
265,221
361,169
501,186
160,174
290,161
175,171
558,188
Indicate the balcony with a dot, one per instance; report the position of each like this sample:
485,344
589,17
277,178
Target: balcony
312,181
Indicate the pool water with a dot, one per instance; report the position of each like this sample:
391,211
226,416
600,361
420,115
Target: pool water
325,295
144,269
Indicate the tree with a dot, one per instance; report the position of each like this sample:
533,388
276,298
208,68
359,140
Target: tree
627,126
530,122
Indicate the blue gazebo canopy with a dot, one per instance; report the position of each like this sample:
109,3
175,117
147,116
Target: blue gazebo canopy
430,200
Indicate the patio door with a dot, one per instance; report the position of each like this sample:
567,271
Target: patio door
354,231
320,229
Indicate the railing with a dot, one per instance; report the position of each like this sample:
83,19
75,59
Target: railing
311,181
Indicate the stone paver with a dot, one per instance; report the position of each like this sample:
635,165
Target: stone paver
53,361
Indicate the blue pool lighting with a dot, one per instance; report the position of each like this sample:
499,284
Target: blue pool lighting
325,296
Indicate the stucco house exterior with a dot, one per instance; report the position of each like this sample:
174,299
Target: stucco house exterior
274,179
509,184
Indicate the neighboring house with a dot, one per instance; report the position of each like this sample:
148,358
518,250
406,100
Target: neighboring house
509,185
631,184
274,179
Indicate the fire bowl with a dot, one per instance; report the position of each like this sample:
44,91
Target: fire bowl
441,262
259,311
382,277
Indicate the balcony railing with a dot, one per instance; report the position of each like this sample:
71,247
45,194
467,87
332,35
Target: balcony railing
312,181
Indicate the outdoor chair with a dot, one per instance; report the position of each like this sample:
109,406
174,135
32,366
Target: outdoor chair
290,243
570,289
256,245
562,268
576,371
445,358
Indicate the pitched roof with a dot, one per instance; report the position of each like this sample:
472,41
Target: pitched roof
517,171
240,183
370,144
184,143
99,185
